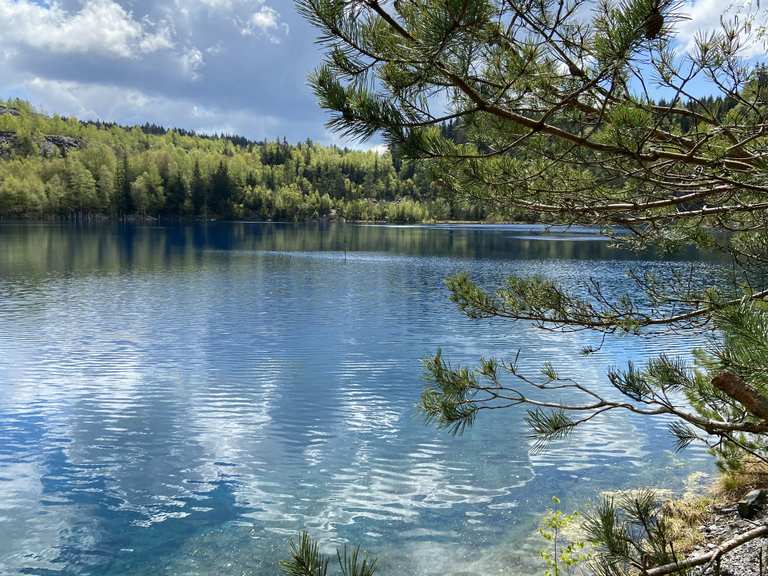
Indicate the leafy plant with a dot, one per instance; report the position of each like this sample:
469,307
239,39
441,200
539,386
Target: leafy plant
561,556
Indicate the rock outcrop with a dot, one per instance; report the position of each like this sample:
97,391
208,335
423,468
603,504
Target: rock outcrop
6,111
7,144
50,146
63,143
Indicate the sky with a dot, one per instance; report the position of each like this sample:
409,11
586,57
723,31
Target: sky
233,66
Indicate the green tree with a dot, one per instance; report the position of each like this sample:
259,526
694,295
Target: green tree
81,187
124,201
561,555
147,192
176,196
199,191
55,192
105,187
141,193
26,142
227,176
20,195
222,191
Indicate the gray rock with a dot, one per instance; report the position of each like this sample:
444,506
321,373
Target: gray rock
52,145
7,143
5,110
64,143
751,504
48,149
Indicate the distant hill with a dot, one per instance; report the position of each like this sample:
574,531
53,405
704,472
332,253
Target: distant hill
56,167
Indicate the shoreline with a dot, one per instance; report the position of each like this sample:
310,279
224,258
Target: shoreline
194,220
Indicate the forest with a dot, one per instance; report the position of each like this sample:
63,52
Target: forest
52,167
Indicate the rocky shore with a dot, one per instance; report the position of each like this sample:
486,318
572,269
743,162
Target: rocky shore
726,523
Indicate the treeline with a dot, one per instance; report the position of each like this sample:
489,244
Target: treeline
51,166
57,167
714,106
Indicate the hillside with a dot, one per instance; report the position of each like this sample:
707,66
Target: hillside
56,167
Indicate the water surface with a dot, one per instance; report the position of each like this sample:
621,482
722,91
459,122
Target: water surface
183,400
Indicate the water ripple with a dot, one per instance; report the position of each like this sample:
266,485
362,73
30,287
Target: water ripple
179,403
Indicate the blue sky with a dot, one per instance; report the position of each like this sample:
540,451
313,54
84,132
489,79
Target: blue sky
236,66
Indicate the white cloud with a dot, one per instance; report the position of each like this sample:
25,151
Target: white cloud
100,26
250,17
704,17
379,149
216,4
112,103
191,62
266,21
265,18
214,50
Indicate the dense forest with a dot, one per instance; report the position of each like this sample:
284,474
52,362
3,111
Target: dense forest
56,167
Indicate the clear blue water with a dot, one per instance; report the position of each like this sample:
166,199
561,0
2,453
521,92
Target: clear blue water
183,400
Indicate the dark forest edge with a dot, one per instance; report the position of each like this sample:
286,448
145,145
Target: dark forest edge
52,167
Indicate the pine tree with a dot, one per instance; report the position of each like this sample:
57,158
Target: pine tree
222,191
176,195
307,560
123,187
552,123
542,107
199,192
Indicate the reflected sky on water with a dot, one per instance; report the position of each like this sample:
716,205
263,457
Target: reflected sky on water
184,399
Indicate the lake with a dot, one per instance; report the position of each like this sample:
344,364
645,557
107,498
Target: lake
185,399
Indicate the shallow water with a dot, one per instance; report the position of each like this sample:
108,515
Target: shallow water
183,400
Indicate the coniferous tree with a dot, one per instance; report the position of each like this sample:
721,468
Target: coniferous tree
544,106
176,195
222,191
199,192
124,201
245,174
552,122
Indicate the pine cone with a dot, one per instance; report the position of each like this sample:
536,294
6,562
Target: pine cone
653,24
574,70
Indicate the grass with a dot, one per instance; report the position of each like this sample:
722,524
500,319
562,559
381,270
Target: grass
685,515
733,485
688,513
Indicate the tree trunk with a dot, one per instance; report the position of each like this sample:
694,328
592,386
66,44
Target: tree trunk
747,396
